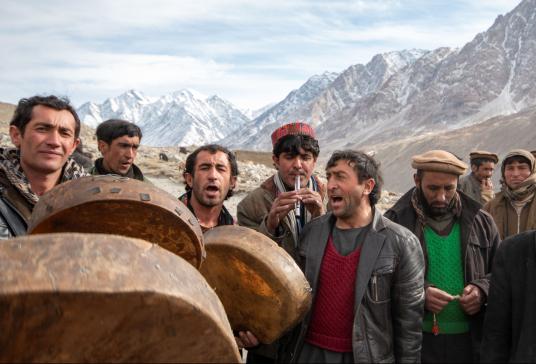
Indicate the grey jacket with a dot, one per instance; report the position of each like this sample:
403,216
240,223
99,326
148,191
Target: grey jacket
471,187
389,292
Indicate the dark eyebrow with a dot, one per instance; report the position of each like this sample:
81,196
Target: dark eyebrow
44,123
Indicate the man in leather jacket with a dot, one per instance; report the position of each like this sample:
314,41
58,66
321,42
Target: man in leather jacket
459,241
44,130
366,273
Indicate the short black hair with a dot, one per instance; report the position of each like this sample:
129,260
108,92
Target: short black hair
364,166
212,149
23,112
112,129
477,162
291,144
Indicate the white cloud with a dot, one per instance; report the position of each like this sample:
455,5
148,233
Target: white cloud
250,52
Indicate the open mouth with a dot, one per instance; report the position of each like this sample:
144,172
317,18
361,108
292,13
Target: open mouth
336,199
212,189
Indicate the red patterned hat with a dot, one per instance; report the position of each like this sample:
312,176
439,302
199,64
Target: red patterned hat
296,128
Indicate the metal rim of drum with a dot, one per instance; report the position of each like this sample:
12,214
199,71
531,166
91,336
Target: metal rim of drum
85,205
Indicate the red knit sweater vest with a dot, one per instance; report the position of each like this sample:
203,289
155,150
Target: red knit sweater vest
333,311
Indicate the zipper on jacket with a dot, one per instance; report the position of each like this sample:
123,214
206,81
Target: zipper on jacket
519,220
375,286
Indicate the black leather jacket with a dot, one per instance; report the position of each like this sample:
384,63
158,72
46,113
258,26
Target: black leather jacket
15,211
389,293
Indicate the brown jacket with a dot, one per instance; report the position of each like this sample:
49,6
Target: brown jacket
479,241
506,218
253,211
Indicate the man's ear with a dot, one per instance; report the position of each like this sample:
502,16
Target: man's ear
232,183
369,186
276,161
15,135
75,144
474,168
188,179
102,145
417,180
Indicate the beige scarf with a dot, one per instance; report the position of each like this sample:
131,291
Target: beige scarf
525,189
10,165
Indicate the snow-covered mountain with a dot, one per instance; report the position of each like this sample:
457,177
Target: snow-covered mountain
184,117
400,94
322,96
128,106
253,134
395,95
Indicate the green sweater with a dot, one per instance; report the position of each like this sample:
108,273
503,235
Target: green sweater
445,271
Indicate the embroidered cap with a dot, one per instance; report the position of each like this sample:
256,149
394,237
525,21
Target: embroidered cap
439,161
296,128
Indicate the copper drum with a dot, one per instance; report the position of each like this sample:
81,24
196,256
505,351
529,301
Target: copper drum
73,297
261,287
123,206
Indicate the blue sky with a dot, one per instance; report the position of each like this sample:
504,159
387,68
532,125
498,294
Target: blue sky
249,52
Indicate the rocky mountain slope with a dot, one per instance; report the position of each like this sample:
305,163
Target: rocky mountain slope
322,96
499,134
403,94
448,89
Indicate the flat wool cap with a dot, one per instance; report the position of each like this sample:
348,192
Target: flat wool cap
483,154
439,161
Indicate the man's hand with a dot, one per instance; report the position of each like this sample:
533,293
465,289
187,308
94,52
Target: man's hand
435,299
486,184
246,340
280,208
471,299
312,201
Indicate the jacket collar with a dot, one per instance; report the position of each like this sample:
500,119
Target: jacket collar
133,172
407,217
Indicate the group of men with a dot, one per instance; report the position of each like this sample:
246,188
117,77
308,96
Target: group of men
428,280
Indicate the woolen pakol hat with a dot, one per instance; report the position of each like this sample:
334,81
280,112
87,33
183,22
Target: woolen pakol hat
484,154
439,161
